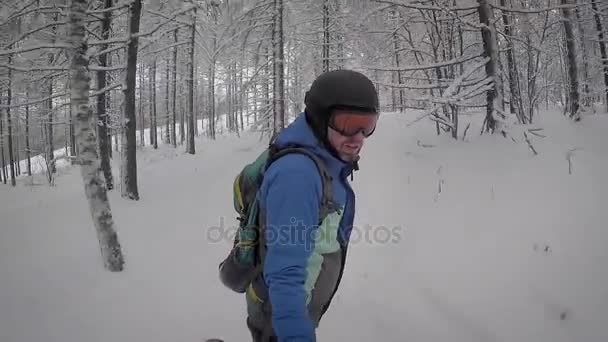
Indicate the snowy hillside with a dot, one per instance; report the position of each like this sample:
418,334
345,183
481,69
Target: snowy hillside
474,240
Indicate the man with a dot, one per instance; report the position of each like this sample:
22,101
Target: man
304,258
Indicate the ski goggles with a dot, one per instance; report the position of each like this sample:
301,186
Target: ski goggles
350,124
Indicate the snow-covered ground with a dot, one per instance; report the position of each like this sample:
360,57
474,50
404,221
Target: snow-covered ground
474,240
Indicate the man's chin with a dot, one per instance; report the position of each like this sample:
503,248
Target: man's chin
349,158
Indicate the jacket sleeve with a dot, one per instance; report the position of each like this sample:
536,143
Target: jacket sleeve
292,188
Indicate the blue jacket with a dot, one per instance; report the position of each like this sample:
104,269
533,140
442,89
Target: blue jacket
304,258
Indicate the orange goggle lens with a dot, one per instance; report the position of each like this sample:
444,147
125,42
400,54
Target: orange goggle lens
349,124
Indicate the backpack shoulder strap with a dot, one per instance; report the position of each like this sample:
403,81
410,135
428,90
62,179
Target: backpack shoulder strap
327,200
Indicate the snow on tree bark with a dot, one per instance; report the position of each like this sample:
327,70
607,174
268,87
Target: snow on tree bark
495,103
129,153
573,94
94,186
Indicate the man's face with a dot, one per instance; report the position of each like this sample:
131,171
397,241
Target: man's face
348,130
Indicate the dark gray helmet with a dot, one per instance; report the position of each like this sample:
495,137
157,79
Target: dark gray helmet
338,89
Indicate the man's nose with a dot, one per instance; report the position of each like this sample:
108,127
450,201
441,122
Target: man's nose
359,137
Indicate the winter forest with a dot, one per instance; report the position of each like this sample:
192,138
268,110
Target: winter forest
490,155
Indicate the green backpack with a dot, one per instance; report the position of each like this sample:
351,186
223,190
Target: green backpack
244,262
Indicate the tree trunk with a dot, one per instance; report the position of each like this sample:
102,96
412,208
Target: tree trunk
573,94
28,151
268,105
190,143
173,88
397,16
495,103
96,194
129,155
515,103
153,119
9,125
167,95
142,121
102,116
602,42
279,77
50,150
211,90
3,173
325,56
586,101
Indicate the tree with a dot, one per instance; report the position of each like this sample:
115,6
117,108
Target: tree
94,187
495,102
279,76
191,122
102,116
573,99
602,43
129,154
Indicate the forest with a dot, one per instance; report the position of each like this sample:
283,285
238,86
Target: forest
89,82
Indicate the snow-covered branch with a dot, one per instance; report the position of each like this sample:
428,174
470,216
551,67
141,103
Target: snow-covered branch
105,10
107,68
33,68
532,11
417,6
454,61
32,48
167,20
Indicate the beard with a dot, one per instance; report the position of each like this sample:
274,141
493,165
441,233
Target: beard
350,156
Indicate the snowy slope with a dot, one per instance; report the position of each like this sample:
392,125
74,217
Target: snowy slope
512,248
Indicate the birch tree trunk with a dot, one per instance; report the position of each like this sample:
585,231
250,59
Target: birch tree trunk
95,190
573,94
129,154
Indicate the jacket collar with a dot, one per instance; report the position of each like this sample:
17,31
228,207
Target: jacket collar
300,133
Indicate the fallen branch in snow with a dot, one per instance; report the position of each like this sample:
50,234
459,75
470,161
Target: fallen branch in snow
533,131
465,131
530,144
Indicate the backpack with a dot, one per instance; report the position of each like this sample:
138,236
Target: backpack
244,262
